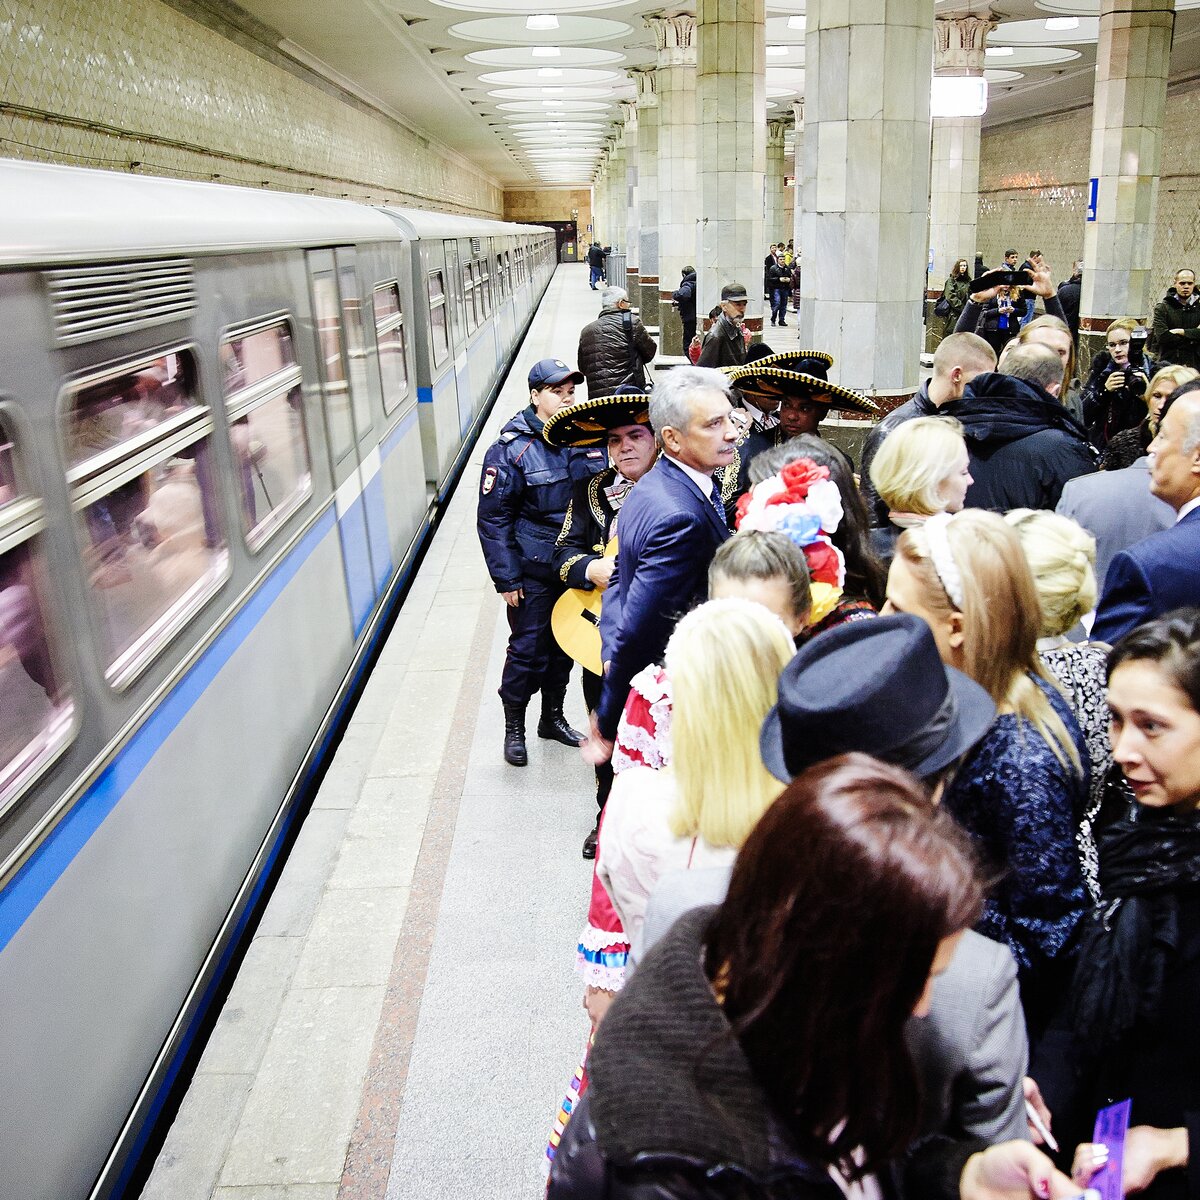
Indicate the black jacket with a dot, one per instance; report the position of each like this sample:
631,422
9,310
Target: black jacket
1068,297
612,351
523,495
673,1112
724,345
685,296
585,529
595,256
1107,413
1171,313
1023,444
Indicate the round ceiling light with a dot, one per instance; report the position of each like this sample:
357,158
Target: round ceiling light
534,56
515,31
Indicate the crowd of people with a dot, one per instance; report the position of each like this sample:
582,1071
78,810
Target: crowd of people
896,876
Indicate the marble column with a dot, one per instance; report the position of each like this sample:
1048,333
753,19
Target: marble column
731,96
678,197
954,184
1132,59
632,242
647,195
866,190
618,187
600,202
778,194
797,173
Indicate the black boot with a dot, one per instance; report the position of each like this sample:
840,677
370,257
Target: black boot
589,842
553,725
515,753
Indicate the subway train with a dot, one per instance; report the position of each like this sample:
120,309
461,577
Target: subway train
228,420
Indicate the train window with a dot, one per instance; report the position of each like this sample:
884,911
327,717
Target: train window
499,276
334,386
356,350
468,278
35,706
389,336
147,504
485,287
267,431
439,335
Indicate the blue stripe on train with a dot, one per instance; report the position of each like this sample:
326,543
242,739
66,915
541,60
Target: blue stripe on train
51,859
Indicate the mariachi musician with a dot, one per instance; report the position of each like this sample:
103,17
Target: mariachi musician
621,423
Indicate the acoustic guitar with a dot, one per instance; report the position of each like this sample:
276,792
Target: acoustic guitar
575,622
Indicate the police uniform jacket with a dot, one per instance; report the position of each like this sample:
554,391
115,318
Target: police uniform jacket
524,493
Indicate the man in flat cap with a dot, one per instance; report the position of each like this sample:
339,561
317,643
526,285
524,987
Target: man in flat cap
725,345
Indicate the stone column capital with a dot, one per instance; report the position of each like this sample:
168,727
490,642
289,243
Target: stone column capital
959,45
629,114
798,113
647,87
776,131
675,38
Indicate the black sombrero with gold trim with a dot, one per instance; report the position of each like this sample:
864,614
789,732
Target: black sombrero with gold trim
589,422
772,377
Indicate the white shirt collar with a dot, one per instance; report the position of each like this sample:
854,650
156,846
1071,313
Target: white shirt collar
702,481
1193,503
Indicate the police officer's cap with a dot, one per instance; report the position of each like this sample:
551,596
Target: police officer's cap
550,372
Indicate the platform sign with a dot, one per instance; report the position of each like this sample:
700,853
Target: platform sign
1093,191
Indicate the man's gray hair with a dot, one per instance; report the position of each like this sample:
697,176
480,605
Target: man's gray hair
670,402
1034,363
610,297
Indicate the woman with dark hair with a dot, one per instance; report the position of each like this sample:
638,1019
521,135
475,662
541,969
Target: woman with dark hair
759,1049
956,293
865,585
1133,998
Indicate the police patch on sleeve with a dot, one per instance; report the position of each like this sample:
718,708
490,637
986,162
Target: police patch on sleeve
489,479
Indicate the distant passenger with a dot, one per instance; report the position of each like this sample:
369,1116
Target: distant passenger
684,298
1177,322
614,348
595,259
621,423
1069,293
671,526
523,497
724,344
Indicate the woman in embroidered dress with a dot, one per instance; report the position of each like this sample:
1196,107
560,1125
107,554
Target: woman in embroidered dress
1062,554
759,1050
1022,791
921,469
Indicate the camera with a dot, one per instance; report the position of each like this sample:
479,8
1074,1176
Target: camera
1138,337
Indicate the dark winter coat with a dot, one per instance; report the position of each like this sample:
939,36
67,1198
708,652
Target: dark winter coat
724,345
1068,297
1107,413
1023,444
612,351
596,257
685,296
1171,313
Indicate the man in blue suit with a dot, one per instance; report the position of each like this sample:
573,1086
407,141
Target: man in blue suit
670,527
1162,572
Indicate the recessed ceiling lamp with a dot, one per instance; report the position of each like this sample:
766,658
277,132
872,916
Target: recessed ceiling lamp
546,52
796,22
542,21
958,96
549,72
776,51
1055,23
998,51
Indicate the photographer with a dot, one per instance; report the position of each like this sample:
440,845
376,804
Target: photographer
1114,395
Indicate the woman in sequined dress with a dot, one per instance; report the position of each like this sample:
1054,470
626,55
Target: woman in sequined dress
1022,790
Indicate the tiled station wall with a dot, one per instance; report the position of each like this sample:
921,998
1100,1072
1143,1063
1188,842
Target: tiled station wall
184,91
549,204
1033,188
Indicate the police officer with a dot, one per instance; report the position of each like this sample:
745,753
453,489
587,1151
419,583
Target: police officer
523,498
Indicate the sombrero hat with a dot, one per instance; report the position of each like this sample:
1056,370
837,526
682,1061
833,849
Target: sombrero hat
589,422
804,373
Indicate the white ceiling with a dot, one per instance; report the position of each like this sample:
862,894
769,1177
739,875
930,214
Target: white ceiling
474,76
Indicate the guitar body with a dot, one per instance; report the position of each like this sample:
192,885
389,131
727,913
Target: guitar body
575,622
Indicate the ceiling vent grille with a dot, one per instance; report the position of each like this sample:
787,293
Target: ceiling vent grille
95,302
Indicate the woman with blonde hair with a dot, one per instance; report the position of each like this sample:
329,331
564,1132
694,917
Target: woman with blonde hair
921,469
1062,554
1126,447
724,661
1022,790
1113,397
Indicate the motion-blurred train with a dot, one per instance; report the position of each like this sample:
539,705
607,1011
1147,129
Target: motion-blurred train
228,418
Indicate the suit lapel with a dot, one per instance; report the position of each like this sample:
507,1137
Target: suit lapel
687,483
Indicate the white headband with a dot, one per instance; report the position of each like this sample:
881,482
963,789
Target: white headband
943,558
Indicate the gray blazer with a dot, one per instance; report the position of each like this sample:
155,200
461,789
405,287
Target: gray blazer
971,1051
1117,509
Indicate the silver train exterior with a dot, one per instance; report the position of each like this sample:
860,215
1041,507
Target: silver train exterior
227,421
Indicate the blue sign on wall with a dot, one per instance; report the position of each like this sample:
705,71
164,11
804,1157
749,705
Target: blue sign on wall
1093,189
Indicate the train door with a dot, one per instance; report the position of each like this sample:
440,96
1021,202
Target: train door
346,406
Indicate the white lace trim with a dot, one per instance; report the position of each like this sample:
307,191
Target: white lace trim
611,979
652,684
601,939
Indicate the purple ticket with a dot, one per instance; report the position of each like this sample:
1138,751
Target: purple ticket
1112,1124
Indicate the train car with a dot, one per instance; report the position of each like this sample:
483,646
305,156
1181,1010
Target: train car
214,482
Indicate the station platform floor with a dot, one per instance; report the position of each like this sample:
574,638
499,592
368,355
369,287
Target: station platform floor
407,1017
